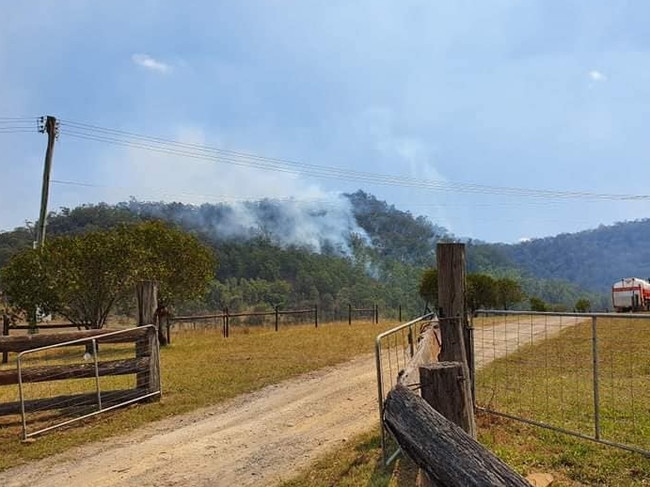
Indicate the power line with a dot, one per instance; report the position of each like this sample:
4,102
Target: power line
549,204
212,154
18,125
3,119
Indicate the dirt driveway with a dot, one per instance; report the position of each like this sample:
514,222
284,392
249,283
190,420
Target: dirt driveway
256,439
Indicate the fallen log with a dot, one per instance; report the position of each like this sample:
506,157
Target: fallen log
447,454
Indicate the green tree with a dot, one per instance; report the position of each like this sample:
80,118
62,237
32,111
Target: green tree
25,285
428,288
508,292
82,277
583,305
481,291
537,304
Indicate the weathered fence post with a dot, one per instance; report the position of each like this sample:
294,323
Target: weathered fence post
376,313
315,316
445,386
277,318
453,382
226,323
147,298
349,314
149,380
399,313
148,312
451,300
5,332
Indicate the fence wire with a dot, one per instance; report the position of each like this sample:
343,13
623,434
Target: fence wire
396,352
587,375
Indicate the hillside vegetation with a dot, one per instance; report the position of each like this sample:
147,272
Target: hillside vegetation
593,259
357,250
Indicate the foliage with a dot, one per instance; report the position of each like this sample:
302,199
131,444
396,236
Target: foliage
481,292
508,292
428,288
591,259
81,277
583,305
181,264
397,234
381,264
25,286
537,304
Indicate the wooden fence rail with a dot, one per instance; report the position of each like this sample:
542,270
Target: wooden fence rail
47,326
28,342
145,366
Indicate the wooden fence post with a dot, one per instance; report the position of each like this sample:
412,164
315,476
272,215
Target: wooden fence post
277,318
315,316
147,298
399,313
451,300
376,314
5,332
450,259
445,386
151,378
226,323
349,314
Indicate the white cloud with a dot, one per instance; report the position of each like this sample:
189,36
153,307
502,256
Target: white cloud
596,75
150,63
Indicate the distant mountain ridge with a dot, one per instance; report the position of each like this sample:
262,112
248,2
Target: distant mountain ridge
593,259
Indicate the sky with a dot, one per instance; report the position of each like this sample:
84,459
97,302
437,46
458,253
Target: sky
500,120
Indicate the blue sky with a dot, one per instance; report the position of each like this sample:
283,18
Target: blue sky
537,95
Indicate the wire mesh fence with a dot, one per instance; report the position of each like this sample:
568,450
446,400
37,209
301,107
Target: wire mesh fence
583,374
396,353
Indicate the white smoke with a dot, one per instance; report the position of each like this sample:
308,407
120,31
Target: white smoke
323,225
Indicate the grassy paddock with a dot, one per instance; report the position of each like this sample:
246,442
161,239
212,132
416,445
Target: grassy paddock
358,462
201,368
552,382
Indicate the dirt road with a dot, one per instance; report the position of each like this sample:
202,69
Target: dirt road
255,439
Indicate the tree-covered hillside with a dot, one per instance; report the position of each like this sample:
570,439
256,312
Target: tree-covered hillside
357,249
592,259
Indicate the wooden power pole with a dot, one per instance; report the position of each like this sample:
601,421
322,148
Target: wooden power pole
50,126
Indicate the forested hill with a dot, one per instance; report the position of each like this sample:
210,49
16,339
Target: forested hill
354,249
289,240
593,259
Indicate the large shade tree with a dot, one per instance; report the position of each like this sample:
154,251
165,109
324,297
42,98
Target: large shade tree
82,277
